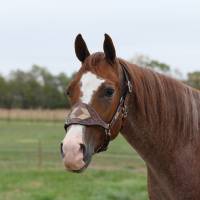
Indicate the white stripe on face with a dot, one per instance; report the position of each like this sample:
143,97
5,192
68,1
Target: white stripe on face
75,136
73,158
89,85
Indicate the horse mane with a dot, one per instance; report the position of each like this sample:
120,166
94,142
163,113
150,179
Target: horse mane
166,104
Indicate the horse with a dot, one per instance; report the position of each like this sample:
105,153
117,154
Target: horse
157,115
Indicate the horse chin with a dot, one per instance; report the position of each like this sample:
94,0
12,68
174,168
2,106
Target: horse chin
87,162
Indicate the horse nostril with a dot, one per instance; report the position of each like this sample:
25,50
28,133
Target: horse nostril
61,150
65,127
83,149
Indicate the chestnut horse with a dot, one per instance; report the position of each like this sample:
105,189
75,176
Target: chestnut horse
158,116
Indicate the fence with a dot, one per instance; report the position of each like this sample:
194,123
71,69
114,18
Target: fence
33,115
25,143
41,158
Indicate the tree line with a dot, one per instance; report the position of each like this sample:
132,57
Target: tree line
193,78
38,88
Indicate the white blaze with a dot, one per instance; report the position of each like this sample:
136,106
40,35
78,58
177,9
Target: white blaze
71,147
71,144
89,84
73,134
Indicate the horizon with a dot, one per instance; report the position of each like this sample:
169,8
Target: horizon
43,33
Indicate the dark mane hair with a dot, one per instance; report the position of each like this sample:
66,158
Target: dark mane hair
165,103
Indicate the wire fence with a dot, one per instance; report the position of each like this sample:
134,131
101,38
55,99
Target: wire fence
42,158
21,148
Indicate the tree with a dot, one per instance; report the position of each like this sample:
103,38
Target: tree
36,88
3,91
194,79
53,87
145,61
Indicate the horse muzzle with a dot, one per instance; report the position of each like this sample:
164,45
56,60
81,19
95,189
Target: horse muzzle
73,150
74,157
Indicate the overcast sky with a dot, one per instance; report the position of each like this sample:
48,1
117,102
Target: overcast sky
42,31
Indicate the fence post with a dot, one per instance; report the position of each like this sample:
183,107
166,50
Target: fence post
40,157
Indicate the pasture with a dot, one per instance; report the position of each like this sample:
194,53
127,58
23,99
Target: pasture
31,167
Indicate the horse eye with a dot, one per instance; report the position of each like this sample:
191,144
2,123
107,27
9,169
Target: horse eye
109,92
67,93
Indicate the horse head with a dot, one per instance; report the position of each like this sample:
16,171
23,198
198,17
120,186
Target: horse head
97,94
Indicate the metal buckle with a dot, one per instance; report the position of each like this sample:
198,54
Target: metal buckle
125,111
108,132
129,86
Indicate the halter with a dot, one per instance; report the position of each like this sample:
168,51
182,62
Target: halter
84,114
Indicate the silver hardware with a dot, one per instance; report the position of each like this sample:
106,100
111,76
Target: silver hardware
108,132
129,86
125,111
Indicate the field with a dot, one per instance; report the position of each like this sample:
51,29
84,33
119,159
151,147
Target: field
31,167
32,115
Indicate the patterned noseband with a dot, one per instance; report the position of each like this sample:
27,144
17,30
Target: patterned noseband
84,114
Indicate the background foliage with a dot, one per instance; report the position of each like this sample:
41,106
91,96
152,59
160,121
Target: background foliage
38,88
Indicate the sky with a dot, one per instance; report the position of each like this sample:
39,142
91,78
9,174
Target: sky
43,31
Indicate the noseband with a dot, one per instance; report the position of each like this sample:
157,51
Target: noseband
84,114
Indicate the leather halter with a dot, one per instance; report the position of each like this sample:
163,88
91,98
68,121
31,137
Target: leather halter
84,114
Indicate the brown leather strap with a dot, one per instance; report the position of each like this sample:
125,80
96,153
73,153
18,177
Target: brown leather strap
84,114
122,108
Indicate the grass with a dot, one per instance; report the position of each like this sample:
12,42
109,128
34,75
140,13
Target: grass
31,168
91,185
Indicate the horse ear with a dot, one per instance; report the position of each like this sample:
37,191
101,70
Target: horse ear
81,49
109,48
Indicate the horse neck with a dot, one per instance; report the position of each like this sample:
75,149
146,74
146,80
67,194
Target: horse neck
163,114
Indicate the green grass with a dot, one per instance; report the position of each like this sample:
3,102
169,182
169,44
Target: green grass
31,167
91,185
